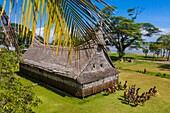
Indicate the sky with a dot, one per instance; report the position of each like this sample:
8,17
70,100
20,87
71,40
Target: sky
155,12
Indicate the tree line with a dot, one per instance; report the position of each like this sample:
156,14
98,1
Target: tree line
159,48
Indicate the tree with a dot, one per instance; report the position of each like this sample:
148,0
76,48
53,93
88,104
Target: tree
125,33
24,40
154,48
145,51
164,41
134,12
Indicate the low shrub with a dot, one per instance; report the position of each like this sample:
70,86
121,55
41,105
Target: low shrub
14,96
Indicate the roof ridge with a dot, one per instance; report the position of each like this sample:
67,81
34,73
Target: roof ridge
108,58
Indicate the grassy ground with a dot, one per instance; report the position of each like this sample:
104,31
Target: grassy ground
152,68
55,101
58,102
158,66
141,65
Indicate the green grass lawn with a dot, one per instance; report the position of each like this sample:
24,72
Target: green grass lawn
152,68
54,101
141,65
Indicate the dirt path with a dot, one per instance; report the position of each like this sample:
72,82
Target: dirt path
162,62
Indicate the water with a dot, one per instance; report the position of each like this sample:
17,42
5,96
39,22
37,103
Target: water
131,51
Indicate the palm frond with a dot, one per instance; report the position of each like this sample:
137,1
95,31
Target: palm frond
73,21
2,10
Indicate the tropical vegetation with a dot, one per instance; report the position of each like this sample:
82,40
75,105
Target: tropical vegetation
75,23
164,45
14,96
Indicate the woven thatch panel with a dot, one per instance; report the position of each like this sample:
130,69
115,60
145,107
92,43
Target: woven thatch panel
91,72
91,64
46,59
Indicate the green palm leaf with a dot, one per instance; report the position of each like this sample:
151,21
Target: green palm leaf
73,21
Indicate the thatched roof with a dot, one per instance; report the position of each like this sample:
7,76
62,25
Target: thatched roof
79,69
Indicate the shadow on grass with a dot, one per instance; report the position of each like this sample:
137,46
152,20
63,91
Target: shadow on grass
120,99
164,66
123,101
105,94
35,81
114,58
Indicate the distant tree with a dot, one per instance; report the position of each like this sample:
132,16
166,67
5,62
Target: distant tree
164,41
145,51
125,33
154,48
24,39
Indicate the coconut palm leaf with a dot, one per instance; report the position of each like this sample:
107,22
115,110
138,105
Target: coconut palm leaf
73,21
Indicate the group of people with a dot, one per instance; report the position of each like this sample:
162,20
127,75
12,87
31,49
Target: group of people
131,94
116,87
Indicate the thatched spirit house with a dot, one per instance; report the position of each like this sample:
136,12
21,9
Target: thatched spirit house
91,72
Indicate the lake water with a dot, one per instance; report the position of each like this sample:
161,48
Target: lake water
133,51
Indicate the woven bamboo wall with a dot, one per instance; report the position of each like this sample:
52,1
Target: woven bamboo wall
66,84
